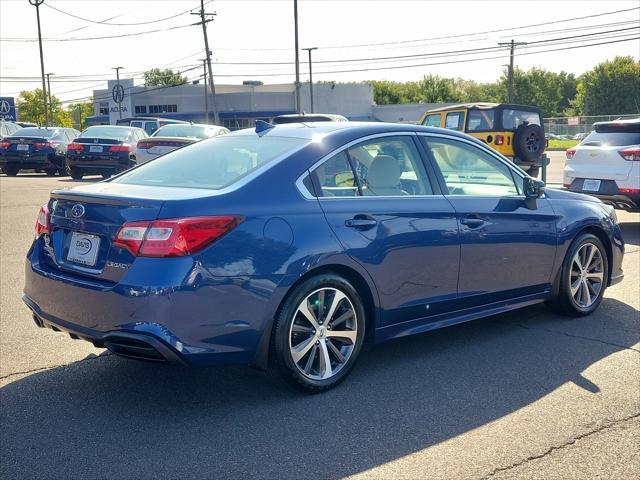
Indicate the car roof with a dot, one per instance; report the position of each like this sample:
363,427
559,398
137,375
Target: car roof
630,121
313,130
482,106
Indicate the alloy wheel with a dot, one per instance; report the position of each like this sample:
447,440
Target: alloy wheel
323,333
587,275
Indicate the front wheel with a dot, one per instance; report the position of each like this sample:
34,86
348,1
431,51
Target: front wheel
11,171
76,173
584,277
319,333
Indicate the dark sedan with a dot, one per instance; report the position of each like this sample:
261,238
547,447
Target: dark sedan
103,150
39,148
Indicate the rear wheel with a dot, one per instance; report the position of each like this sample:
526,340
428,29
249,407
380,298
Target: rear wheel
584,277
75,173
51,172
319,333
11,171
528,142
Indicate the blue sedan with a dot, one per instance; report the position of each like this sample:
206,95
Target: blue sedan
291,247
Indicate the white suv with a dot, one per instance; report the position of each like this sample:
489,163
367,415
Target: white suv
606,164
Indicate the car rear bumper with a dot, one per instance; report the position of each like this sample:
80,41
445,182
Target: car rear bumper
31,161
609,193
200,319
99,164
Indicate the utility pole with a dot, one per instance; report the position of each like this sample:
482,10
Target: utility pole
310,75
206,93
49,91
295,24
37,3
203,21
512,46
79,109
119,97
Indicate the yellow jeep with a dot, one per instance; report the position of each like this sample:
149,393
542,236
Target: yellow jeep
515,131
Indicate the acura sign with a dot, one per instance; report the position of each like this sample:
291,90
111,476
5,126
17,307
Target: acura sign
7,109
119,99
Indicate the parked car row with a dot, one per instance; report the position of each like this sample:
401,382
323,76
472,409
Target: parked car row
99,150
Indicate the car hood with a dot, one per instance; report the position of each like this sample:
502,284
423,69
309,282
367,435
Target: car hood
557,194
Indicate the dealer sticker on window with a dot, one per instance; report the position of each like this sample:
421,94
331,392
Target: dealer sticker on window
83,249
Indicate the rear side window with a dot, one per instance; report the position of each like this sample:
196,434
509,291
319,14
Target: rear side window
214,163
433,120
335,177
512,119
454,120
611,139
479,120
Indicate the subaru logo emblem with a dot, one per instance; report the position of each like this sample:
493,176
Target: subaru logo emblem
77,210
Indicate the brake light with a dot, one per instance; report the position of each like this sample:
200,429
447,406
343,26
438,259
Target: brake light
629,190
75,147
499,139
5,144
120,148
144,145
631,154
39,145
43,221
175,237
570,153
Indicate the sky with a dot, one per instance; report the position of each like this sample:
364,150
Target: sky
355,35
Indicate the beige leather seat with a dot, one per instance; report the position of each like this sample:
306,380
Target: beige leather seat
383,178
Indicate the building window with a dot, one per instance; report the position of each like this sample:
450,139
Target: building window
163,108
104,108
140,109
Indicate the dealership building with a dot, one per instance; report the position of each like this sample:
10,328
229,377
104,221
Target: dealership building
239,106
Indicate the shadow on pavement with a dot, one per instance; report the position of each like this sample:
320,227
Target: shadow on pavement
631,233
121,419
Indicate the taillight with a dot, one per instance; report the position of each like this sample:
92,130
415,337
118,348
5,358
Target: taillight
570,153
629,190
5,144
631,154
43,221
39,145
144,145
120,148
175,237
75,147
499,139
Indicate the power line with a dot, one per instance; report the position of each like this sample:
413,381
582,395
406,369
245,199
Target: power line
104,22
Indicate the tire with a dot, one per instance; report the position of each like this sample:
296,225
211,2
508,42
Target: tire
573,300
51,172
75,173
11,171
528,142
63,172
301,347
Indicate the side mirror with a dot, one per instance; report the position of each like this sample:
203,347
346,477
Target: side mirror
532,187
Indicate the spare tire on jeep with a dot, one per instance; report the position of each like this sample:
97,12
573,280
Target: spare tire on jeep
528,142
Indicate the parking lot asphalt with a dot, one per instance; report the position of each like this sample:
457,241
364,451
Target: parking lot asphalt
528,394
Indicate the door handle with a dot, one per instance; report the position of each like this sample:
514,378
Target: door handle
361,222
472,222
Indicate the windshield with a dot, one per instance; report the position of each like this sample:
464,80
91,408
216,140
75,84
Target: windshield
214,164
36,132
116,133
197,131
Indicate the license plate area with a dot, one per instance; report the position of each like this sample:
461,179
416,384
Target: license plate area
591,185
95,149
23,147
83,249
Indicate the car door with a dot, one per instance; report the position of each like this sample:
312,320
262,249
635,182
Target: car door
507,249
391,218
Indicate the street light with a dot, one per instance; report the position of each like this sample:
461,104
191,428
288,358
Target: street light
310,75
37,3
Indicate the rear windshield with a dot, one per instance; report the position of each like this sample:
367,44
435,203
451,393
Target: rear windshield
35,132
512,119
116,133
214,163
611,139
177,130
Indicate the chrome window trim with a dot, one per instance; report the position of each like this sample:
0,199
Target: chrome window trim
309,196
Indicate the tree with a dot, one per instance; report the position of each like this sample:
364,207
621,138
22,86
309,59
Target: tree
31,109
79,113
167,76
610,88
549,91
